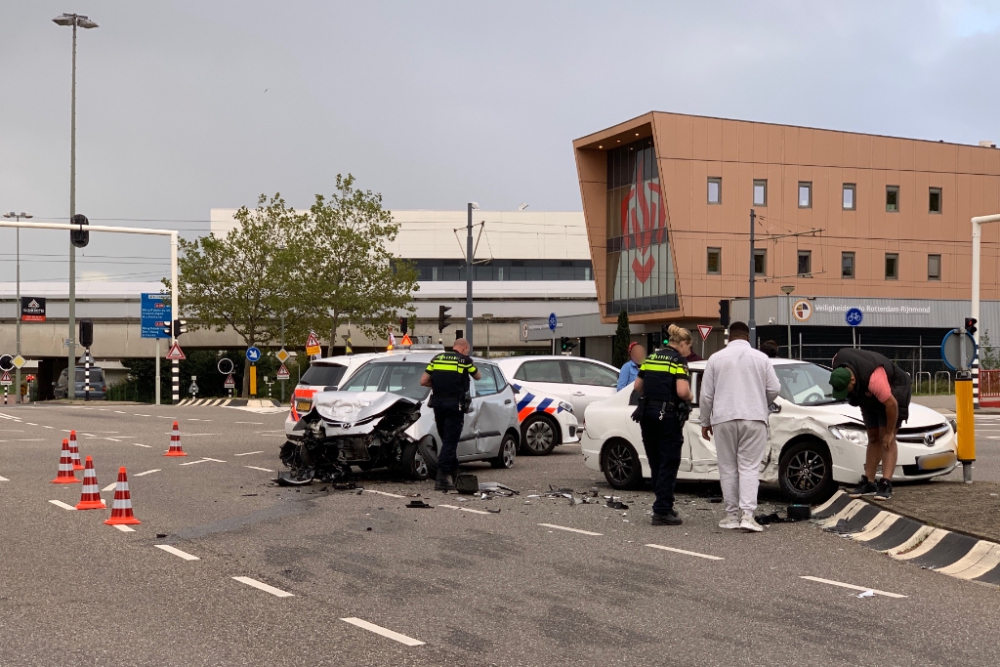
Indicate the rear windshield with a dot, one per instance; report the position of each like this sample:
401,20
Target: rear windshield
323,375
96,376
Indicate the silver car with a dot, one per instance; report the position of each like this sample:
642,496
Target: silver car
379,418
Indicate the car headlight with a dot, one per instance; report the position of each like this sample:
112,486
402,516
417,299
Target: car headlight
855,435
566,406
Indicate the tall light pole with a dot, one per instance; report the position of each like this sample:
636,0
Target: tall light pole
17,374
468,276
74,20
487,317
752,321
788,289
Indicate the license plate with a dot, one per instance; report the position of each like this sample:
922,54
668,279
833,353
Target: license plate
303,406
936,461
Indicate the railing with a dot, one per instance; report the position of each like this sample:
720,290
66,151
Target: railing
921,375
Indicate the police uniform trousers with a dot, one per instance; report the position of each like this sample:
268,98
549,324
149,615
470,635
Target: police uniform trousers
662,439
449,418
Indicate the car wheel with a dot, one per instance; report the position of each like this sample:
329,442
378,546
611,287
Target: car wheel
805,472
413,463
621,465
428,450
539,435
508,452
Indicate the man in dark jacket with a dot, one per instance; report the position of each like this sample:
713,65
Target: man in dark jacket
882,390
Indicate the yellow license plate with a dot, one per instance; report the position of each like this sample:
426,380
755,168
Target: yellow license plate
303,406
936,461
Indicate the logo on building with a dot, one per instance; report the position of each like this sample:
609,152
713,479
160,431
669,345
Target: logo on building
802,310
644,223
32,309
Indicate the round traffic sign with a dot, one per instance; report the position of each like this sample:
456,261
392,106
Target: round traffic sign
951,348
253,354
854,316
226,366
6,362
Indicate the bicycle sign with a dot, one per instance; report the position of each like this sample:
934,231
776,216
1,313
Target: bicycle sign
854,316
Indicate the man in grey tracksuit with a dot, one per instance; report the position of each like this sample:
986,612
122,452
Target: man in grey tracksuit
738,386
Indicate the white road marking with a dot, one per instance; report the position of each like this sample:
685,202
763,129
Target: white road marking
30,424
4,479
59,503
121,412
379,630
177,552
252,423
138,415
853,587
192,419
208,459
148,472
383,493
65,430
249,453
162,417
112,439
89,435
110,487
138,444
191,463
256,468
11,417
124,528
464,509
46,427
571,530
264,587
686,553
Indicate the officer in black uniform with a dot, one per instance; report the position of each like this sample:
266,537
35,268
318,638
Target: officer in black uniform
448,377
663,383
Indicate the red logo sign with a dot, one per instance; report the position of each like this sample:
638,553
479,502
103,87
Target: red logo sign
644,223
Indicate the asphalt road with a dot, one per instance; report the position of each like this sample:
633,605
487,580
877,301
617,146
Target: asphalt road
476,588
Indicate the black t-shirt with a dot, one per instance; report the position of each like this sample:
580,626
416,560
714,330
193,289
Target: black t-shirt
450,373
660,373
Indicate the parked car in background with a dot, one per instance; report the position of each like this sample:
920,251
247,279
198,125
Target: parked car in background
98,387
815,440
546,422
576,380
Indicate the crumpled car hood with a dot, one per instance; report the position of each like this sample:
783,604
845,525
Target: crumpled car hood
920,416
351,407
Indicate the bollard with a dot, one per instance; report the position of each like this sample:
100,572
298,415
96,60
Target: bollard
965,417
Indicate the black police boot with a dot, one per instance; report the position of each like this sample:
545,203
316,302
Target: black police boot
671,518
444,482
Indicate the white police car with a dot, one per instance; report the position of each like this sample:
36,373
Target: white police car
545,421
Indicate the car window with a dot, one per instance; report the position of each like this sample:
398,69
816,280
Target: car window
546,370
486,385
323,375
582,372
805,384
367,378
96,375
501,380
404,379
695,387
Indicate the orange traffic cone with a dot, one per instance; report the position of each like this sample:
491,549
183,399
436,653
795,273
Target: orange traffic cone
90,498
175,443
121,508
74,451
65,475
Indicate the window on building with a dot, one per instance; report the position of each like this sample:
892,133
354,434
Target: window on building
714,190
892,198
760,193
805,195
891,266
934,205
933,267
715,260
760,261
848,199
847,265
805,262
504,269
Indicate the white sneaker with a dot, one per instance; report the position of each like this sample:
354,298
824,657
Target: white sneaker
731,522
749,525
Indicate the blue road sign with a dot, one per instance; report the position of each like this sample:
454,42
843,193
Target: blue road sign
951,350
253,354
156,315
552,321
854,316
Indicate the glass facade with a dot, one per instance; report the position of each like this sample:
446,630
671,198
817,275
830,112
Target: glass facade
504,269
640,268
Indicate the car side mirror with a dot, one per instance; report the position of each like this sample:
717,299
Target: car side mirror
517,390
774,408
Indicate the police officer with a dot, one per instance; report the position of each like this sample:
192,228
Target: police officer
448,377
663,383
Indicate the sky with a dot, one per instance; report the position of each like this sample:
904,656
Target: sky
185,106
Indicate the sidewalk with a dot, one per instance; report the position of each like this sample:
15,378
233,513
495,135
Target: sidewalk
946,405
972,509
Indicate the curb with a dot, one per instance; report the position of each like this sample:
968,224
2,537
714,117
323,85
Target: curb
907,540
231,402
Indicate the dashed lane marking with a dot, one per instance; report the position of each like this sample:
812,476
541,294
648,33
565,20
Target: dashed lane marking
252,423
192,419
264,587
120,412
125,529
162,417
139,415
177,552
571,530
148,472
4,479
249,453
853,587
30,424
59,503
261,469
383,493
110,487
46,427
191,463
379,630
464,509
686,553
4,415
205,458
139,444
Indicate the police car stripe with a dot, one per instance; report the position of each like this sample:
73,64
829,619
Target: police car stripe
524,402
544,404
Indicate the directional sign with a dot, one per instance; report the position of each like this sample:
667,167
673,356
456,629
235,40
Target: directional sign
156,315
19,361
312,344
282,355
553,322
5,379
230,382
282,372
175,353
704,330
854,316
253,354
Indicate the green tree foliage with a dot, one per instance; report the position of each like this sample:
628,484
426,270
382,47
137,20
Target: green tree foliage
623,336
989,356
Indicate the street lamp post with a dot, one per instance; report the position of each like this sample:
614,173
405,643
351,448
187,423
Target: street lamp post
17,305
74,20
468,276
487,317
788,289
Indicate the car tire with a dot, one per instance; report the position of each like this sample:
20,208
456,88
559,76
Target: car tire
805,472
621,465
428,449
539,435
413,464
507,454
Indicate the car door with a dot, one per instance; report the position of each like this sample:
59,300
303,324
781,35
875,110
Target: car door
495,408
467,444
544,376
701,455
588,382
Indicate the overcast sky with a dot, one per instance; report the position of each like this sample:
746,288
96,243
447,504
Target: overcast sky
184,106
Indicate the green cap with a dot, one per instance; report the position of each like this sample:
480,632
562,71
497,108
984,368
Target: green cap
840,379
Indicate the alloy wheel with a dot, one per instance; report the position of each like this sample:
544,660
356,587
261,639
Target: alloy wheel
620,462
539,436
806,470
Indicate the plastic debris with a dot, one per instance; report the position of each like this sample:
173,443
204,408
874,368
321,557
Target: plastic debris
617,505
867,594
417,504
492,511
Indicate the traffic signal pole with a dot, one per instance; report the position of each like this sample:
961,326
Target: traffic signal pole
468,281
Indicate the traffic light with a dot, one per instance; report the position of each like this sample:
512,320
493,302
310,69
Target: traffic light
403,321
180,327
724,312
567,344
86,333
79,237
443,317
970,325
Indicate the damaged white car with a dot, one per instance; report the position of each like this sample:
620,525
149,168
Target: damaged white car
815,441
379,418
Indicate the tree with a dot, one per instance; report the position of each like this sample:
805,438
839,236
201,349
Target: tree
247,279
623,336
348,273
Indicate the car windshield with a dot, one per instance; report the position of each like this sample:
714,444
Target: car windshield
401,378
323,375
805,384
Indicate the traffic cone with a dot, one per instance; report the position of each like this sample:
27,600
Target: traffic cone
74,451
175,443
90,498
121,508
65,475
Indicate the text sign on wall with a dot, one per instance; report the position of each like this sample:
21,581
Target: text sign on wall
32,309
